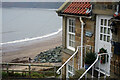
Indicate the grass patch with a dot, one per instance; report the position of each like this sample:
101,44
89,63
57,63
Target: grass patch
37,75
4,75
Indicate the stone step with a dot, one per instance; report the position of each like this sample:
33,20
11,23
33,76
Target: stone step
78,73
111,77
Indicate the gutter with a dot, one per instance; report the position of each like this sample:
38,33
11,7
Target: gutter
61,14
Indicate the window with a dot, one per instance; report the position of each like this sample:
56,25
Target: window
71,33
70,71
105,30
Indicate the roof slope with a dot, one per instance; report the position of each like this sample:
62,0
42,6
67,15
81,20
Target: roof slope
77,8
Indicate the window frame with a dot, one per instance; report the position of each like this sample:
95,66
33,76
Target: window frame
68,33
71,72
105,30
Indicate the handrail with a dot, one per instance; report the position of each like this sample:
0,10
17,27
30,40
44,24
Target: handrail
91,65
58,71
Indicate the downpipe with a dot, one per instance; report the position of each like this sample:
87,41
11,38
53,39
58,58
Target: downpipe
82,30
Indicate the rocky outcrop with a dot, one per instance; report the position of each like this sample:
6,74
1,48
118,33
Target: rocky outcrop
52,56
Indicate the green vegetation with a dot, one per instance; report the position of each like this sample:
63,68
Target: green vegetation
4,75
44,74
103,57
36,75
90,58
11,74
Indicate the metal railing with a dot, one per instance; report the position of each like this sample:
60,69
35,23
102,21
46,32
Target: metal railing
58,71
92,66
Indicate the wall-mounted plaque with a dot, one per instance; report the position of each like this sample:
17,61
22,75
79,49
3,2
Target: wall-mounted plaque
88,34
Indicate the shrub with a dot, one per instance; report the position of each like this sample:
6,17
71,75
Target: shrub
4,75
17,74
90,58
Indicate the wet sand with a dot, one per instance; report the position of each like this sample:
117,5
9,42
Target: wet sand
30,48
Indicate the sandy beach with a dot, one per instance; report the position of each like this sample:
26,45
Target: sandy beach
30,48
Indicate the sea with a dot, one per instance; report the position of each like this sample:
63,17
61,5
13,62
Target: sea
27,21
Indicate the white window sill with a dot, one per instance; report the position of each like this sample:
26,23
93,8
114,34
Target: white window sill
71,48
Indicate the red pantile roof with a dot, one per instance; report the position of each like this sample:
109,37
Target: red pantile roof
78,8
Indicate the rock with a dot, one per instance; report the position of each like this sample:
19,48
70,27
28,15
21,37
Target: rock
59,54
52,55
43,61
59,60
52,60
55,56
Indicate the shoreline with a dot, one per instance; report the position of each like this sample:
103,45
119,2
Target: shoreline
30,48
32,39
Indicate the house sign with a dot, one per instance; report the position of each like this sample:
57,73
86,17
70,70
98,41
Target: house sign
88,34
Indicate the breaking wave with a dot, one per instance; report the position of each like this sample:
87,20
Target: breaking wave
35,38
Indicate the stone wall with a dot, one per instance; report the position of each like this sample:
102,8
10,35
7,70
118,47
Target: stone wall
104,8
115,61
64,29
90,27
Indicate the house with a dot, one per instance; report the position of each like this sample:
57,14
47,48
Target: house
87,27
115,29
